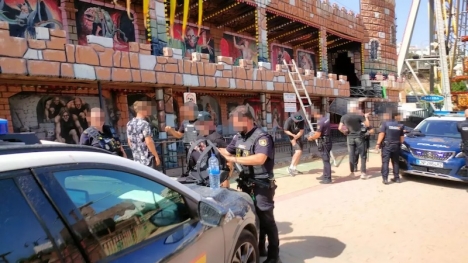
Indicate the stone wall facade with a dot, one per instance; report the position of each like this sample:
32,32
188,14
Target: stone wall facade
378,17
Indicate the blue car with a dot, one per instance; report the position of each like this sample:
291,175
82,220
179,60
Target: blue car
432,149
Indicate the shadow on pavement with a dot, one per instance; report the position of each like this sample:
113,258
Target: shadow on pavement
435,182
301,248
284,228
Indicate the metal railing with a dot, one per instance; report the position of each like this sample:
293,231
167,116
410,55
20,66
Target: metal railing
172,152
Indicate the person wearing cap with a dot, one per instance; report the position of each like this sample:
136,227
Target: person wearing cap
294,128
187,129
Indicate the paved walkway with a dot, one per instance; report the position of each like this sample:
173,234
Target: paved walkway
421,220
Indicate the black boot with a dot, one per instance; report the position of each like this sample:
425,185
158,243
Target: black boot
385,181
396,180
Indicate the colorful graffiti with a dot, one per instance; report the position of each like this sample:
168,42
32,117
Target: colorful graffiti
25,15
280,53
306,59
239,47
92,19
202,43
58,118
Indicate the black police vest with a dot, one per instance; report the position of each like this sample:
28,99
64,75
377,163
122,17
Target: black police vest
393,132
190,132
245,147
110,144
463,129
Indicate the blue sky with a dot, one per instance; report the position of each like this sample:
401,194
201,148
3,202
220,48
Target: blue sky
421,28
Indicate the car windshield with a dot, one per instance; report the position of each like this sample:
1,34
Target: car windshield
439,128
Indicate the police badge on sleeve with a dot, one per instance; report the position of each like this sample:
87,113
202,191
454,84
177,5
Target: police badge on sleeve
263,142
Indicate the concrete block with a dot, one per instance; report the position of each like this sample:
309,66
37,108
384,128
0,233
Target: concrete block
103,41
42,33
84,71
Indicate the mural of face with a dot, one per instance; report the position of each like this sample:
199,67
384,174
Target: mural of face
191,40
78,103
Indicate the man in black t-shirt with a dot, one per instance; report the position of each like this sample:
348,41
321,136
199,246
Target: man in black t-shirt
294,128
355,139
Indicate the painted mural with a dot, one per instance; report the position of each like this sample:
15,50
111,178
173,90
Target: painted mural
306,59
58,118
280,53
211,105
97,20
192,42
277,111
239,47
24,16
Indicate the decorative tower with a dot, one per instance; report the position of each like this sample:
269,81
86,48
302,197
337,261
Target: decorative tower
380,54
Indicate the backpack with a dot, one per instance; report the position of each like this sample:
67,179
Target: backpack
198,173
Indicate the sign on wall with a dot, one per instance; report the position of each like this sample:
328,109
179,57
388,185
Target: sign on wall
239,47
280,53
190,97
98,20
24,16
290,107
192,42
306,59
290,97
432,98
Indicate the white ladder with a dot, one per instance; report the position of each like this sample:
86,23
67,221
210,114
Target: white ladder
445,82
303,95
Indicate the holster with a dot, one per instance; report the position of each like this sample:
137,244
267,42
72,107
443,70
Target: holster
320,144
247,184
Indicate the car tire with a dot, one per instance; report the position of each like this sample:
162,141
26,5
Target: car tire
246,249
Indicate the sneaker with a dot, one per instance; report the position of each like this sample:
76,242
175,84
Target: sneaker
291,172
385,181
352,174
364,176
396,180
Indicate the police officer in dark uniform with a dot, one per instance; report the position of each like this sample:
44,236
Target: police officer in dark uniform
462,128
253,151
187,129
100,135
391,137
322,135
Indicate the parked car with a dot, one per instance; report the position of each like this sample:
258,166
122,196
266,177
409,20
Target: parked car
432,149
69,203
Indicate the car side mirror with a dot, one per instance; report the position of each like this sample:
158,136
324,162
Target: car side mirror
210,213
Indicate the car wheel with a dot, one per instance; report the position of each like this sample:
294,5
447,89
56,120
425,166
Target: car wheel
246,250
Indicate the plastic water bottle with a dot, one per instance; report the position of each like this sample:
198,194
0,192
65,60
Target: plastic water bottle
213,172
